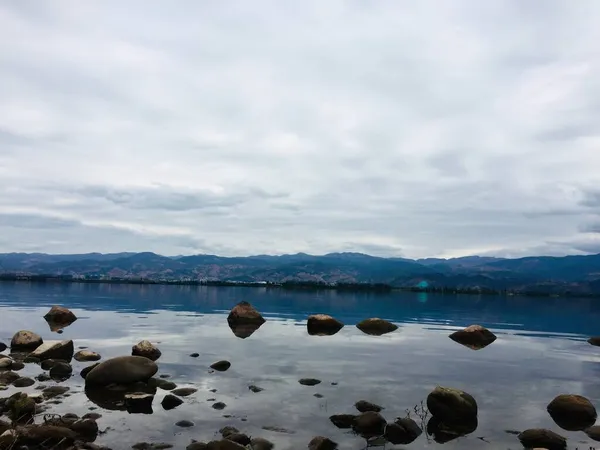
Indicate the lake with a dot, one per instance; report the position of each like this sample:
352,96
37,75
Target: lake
541,351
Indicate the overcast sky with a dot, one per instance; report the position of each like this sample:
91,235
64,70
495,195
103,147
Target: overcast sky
395,128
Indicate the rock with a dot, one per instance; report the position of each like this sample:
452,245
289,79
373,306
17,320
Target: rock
227,430
343,420
224,444
60,317
3,346
121,370
369,424
244,320
317,395
451,405
148,446
50,363
541,438
61,371
197,446
255,389
219,406
21,408
364,406
277,429
443,432
25,340
162,384
43,377
195,355
112,397
221,366
261,444
54,350
309,381
185,424
54,391
322,443
52,437
8,377
239,438
595,340
146,349
86,429
475,337
23,382
323,325
87,356
17,365
84,372
376,326
572,412
184,392
593,432
402,431
139,403
92,416
5,362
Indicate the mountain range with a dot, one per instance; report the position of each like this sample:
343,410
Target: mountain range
543,274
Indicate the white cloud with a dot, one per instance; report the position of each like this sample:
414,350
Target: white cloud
395,127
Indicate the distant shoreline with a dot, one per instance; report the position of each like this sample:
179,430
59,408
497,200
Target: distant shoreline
293,286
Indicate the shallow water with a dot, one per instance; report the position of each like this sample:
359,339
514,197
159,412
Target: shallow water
541,351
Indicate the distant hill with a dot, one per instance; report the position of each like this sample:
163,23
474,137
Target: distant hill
569,274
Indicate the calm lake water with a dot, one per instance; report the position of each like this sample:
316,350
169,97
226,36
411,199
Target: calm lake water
541,351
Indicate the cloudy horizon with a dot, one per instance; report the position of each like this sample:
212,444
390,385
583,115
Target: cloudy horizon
394,128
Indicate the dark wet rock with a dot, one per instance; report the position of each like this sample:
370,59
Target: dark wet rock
25,340
86,429
43,377
162,384
443,432
227,430
139,403
61,371
50,363
30,359
369,424
277,429
541,438
219,406
309,381
87,356
3,346
197,446
402,431
343,420
322,443
184,392
475,337
572,412
376,326
164,375
317,395
149,446
195,355
364,406
323,325
261,444
595,340
59,317
224,444
21,408
212,390
17,365
146,349
23,382
221,366
84,372
8,377
121,370
52,437
185,424
54,350
92,416
244,320
170,402
593,432
54,391
240,438
255,389
451,405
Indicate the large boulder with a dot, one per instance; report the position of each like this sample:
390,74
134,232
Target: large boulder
244,313
54,350
376,326
323,325
541,438
25,340
402,431
59,317
572,412
369,424
147,350
474,337
451,405
121,370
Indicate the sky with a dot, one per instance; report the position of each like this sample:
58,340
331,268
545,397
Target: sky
393,127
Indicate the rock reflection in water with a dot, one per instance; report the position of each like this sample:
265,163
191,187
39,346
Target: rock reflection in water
244,331
113,397
443,432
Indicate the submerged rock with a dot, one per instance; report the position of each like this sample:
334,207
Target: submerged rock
23,382
475,337
443,431
255,389
402,432
54,350
219,406
61,371
376,326
451,405
364,406
147,350
54,391
309,381
195,355
239,438
221,366
542,438
184,392
170,402
572,412
25,340
165,385
121,370
87,356
343,420
185,424
323,325
369,424
322,443
261,444
50,363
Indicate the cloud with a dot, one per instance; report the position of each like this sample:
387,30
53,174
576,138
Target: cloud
398,128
